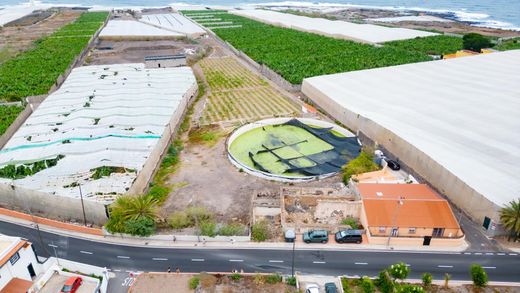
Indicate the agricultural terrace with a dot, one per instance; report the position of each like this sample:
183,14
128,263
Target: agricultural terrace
7,115
435,45
237,94
20,37
35,71
296,55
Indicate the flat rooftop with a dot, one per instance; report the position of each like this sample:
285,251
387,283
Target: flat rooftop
367,33
174,22
135,29
103,115
463,113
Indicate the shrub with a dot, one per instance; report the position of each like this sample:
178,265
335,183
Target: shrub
345,285
478,275
231,229
159,193
273,279
180,220
399,271
475,42
194,282
208,228
353,223
367,285
362,164
260,231
447,278
199,214
407,288
235,277
131,208
427,279
291,281
385,283
140,227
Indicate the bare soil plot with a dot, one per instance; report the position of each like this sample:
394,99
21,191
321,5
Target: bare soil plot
15,39
161,282
238,95
127,51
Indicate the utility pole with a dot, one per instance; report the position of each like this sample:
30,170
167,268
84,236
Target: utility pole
400,202
82,206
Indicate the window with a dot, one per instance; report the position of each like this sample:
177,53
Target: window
382,229
438,232
411,231
14,258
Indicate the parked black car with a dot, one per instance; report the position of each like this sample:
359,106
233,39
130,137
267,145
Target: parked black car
393,165
349,236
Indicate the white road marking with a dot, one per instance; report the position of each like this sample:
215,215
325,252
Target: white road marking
122,256
52,245
236,260
443,266
478,253
321,262
467,252
489,253
159,258
408,265
489,267
513,254
501,254
361,263
197,259
116,270
86,252
280,261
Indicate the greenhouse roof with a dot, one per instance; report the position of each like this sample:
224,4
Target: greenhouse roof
103,115
367,33
174,22
463,113
133,28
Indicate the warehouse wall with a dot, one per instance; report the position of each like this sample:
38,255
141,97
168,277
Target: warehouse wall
459,193
51,206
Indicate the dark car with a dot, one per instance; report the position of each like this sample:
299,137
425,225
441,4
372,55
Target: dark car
393,165
316,236
331,288
349,236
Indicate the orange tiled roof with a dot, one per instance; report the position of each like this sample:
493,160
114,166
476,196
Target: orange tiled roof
395,191
17,286
412,213
12,252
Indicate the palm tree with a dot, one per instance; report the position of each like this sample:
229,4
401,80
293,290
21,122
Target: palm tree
129,208
510,218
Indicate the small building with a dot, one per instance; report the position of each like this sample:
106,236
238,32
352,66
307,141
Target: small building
165,61
18,264
407,214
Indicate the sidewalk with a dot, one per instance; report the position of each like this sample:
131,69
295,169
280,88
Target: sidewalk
95,234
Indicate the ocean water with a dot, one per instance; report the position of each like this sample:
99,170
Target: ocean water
488,13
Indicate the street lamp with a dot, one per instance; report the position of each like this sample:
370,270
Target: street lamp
400,202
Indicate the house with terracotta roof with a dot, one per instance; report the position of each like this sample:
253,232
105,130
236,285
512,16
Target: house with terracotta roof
407,214
18,264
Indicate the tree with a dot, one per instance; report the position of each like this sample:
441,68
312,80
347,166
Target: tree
384,282
478,275
132,209
427,279
510,218
399,271
362,164
475,42
367,285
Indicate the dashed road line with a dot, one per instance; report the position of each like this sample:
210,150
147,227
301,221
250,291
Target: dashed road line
361,263
320,262
513,254
116,270
122,256
276,261
159,258
489,253
501,253
197,259
52,245
478,253
489,268
236,260
444,266
467,253
85,252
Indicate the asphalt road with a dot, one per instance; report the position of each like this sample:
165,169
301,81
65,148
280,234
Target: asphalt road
120,258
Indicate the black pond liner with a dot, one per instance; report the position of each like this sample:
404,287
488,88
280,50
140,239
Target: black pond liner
326,162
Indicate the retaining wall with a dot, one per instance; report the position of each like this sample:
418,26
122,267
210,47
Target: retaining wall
151,166
51,206
474,204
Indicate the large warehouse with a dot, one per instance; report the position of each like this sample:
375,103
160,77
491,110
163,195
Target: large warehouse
454,122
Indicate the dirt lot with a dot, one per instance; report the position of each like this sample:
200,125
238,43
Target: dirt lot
15,39
161,282
116,52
